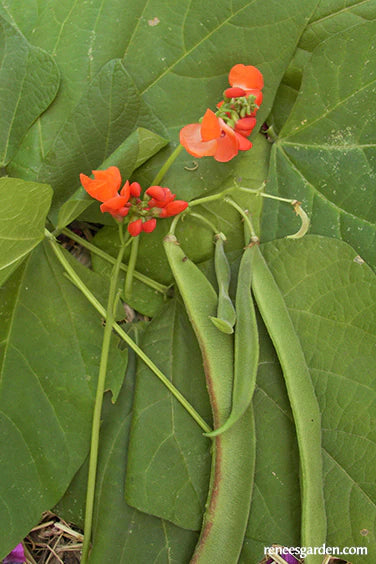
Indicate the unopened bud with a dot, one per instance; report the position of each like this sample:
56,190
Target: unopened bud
234,92
173,208
135,227
135,189
149,225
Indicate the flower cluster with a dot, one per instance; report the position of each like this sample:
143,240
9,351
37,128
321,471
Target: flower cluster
143,214
224,133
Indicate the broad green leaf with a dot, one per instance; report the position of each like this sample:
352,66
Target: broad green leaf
106,115
325,154
82,38
329,18
132,153
121,533
331,299
29,79
190,72
50,350
168,462
194,62
23,210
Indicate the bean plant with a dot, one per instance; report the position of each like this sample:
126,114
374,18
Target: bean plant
187,279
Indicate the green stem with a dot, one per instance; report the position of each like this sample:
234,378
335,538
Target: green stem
76,280
212,198
243,214
258,192
92,248
94,445
131,267
171,159
204,220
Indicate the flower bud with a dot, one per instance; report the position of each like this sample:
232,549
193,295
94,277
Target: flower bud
149,225
135,227
234,92
245,125
135,189
173,208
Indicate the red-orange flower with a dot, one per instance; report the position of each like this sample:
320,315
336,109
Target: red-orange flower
213,137
104,187
163,198
105,184
159,201
249,79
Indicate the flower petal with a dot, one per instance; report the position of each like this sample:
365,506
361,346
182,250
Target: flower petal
210,128
190,138
246,76
105,185
227,144
244,143
114,204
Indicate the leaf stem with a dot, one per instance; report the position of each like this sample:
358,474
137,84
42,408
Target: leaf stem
94,444
171,159
243,214
92,248
76,280
131,267
204,220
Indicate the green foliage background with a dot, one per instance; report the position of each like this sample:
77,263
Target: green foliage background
88,84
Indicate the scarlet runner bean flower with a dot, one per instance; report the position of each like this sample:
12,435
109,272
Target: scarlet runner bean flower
157,202
223,134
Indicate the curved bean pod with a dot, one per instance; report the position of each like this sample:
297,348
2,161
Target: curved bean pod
302,398
246,351
233,453
226,316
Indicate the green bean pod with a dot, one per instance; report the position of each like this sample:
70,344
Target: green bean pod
302,398
226,316
233,453
246,351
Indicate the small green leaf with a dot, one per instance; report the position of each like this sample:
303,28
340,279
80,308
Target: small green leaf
23,210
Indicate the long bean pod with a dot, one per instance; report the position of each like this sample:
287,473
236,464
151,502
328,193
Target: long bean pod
302,398
246,351
233,453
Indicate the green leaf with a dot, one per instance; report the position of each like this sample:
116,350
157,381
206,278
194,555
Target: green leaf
132,153
51,345
169,461
331,299
81,38
144,299
23,210
329,18
325,153
108,112
30,80
190,73
121,533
